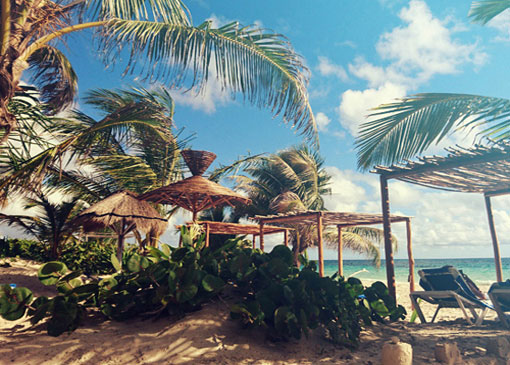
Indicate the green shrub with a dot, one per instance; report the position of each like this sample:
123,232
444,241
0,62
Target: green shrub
288,301
89,257
169,281
63,312
27,249
272,292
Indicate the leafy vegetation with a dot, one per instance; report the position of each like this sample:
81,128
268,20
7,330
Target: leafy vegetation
271,291
162,44
294,180
90,257
289,301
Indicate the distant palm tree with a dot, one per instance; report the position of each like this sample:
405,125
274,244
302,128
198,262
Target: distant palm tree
161,43
295,180
402,129
51,224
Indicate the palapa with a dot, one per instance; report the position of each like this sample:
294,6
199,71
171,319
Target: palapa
122,212
195,193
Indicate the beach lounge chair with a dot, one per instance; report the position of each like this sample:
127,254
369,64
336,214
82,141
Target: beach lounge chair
500,298
448,287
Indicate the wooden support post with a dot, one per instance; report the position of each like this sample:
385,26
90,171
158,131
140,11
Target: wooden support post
495,243
388,248
340,252
207,235
286,238
410,256
261,236
253,241
319,238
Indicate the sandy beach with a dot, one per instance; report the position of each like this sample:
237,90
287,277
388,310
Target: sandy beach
210,337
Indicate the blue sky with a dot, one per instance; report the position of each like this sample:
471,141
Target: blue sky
360,53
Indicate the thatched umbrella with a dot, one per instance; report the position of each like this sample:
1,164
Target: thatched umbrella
195,193
122,212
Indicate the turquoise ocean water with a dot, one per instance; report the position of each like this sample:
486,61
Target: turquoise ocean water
482,271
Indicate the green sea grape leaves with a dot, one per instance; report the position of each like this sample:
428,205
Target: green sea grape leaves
51,272
14,302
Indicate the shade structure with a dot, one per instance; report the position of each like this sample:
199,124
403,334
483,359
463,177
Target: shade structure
479,169
195,193
122,212
340,220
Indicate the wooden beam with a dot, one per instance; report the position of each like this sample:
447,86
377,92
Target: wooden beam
206,235
287,219
463,161
319,238
497,193
286,238
340,252
388,248
253,241
410,255
495,243
261,236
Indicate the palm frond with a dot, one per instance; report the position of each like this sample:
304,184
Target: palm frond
240,164
260,65
28,174
89,187
484,11
129,172
167,11
25,222
54,76
287,202
402,129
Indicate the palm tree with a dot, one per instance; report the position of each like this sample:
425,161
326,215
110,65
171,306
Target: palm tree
52,225
295,180
162,44
127,141
402,129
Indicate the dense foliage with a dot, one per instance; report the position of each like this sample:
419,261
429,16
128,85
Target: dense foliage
89,257
289,301
270,291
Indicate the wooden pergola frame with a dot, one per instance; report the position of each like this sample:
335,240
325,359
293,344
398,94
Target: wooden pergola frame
480,169
342,220
211,227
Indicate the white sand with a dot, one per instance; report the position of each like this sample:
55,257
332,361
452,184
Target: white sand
210,337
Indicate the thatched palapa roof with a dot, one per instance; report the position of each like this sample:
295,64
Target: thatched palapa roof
195,193
121,206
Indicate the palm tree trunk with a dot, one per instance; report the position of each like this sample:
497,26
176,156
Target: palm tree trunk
120,241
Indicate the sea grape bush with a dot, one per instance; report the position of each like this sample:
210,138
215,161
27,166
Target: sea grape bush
64,312
271,291
169,281
289,302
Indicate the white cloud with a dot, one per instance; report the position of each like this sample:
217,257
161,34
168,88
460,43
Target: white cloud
346,43
502,24
425,45
322,121
444,224
208,99
411,54
355,105
327,68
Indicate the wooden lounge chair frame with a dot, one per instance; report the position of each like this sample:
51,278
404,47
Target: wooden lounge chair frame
493,294
438,298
